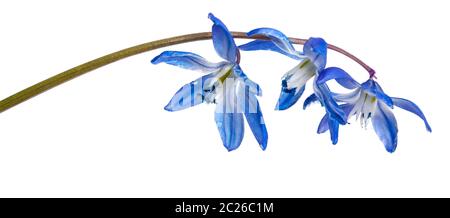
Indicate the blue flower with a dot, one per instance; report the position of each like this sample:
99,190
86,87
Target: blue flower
368,101
312,63
225,85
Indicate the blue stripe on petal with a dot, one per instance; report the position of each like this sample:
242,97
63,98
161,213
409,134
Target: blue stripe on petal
309,100
231,129
342,77
375,89
277,37
268,45
188,95
288,97
223,40
411,107
385,125
187,60
316,50
255,120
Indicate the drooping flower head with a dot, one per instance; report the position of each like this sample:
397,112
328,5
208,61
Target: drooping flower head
312,63
225,85
369,102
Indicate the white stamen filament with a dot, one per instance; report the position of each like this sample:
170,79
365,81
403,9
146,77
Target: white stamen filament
300,74
364,109
213,87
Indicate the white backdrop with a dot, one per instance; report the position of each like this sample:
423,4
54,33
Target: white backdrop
105,134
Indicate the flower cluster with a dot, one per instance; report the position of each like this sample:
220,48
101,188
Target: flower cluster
235,95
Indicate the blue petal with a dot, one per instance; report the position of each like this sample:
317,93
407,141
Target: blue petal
333,125
324,95
375,89
231,129
223,40
187,60
323,125
385,126
254,87
342,77
288,97
411,107
189,95
316,50
277,37
309,100
347,108
267,45
255,119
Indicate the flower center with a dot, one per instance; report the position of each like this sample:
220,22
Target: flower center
215,88
299,75
367,109
225,75
304,63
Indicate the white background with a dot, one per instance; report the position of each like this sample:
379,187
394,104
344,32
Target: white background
105,134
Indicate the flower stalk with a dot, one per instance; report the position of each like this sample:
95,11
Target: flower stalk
72,73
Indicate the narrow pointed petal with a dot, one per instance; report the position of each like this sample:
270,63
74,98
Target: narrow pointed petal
385,125
223,40
288,97
231,129
278,38
411,107
255,120
342,77
334,130
375,89
270,46
187,60
188,95
324,95
323,125
309,100
316,50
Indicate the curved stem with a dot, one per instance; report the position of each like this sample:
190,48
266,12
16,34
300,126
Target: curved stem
357,60
67,75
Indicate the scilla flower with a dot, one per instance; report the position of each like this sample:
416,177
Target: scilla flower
225,85
312,64
368,101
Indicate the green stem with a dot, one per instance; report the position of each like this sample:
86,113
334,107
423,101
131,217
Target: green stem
67,75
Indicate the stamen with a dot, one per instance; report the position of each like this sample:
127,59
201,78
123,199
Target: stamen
225,75
304,63
361,120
